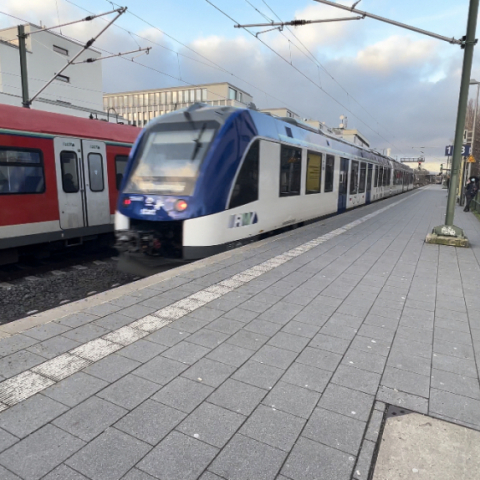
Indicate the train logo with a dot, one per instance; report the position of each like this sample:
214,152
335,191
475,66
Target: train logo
242,219
151,206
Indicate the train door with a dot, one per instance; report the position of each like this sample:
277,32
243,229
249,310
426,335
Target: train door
70,185
96,183
343,183
368,194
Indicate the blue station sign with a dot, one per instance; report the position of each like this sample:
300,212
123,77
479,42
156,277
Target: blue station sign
465,150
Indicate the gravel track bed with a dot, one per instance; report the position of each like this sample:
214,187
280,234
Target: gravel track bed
38,292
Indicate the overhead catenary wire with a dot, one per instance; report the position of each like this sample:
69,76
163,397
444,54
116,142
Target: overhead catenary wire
126,59
305,76
319,64
213,65
282,102
16,87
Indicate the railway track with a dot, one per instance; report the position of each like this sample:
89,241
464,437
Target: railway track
34,285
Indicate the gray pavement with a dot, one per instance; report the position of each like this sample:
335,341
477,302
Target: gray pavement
275,361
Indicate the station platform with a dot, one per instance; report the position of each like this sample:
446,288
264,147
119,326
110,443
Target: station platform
277,360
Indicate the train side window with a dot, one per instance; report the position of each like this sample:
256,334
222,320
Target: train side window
329,169
369,177
314,172
120,166
95,172
354,178
21,171
290,171
69,167
363,175
375,178
246,186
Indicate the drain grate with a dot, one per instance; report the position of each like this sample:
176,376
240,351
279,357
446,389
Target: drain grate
394,411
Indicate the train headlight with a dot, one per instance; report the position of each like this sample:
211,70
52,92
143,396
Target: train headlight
126,202
181,205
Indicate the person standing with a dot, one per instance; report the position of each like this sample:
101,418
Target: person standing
470,192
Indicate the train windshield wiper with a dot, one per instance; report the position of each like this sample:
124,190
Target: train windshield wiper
198,143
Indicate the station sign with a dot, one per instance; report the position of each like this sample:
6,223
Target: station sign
465,150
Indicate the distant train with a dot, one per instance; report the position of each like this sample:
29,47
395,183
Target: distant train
59,179
203,180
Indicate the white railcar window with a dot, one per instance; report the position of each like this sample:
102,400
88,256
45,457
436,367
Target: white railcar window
369,177
314,173
246,186
329,171
290,171
354,178
363,175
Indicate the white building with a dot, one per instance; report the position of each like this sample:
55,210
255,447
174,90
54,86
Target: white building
281,112
77,91
140,106
351,135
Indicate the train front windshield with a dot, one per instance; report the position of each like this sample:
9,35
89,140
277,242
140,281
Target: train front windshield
170,158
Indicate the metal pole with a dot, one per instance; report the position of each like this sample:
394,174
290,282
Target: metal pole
22,48
85,47
474,127
462,109
392,22
299,23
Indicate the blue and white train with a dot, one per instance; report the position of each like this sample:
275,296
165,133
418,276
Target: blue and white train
207,179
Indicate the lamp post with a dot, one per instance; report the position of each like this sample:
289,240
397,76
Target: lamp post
474,82
467,44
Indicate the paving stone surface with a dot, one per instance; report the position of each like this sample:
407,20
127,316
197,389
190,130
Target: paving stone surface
283,375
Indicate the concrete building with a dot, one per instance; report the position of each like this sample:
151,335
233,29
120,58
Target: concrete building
140,106
281,112
77,91
351,135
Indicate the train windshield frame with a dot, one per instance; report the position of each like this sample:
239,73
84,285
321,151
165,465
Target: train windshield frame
170,158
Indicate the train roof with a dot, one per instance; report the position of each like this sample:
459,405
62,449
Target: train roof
269,126
48,123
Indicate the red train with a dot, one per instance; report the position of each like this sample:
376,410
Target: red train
59,178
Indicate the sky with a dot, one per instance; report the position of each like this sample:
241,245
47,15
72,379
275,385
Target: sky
398,88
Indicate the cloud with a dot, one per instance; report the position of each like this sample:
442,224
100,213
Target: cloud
396,52
318,35
407,86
